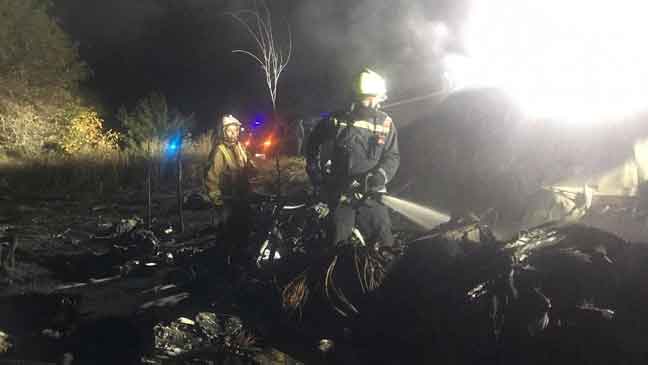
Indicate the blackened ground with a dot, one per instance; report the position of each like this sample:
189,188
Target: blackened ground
420,315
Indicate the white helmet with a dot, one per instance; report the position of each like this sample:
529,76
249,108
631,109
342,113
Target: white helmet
229,119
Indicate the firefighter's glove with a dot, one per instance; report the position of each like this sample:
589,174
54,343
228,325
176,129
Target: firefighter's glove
321,209
375,182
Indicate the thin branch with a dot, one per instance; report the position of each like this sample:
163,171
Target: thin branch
251,55
236,16
270,56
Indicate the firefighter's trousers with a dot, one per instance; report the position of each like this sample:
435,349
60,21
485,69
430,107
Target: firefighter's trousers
369,216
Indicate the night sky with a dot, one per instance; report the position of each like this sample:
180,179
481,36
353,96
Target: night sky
183,49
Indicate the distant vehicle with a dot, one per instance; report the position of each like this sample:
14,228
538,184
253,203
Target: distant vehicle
260,138
264,138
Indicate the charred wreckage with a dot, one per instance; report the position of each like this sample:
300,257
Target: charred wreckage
558,293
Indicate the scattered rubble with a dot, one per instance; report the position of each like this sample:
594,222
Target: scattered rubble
453,295
5,344
208,334
127,225
458,286
325,345
196,201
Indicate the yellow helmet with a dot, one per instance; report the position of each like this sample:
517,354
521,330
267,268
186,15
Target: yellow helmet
369,83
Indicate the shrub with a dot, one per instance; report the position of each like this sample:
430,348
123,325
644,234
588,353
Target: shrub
152,120
40,72
85,133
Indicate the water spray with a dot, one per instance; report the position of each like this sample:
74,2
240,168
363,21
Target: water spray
425,217
445,91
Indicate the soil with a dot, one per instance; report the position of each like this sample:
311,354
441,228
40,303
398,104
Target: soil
79,291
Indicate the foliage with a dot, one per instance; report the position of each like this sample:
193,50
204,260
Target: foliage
151,120
24,130
85,133
96,171
39,75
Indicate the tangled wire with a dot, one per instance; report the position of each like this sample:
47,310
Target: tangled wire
295,293
369,269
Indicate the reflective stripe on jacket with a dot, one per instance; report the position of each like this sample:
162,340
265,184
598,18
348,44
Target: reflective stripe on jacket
364,140
226,176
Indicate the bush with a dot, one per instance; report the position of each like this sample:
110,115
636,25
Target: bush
152,120
85,133
24,130
40,72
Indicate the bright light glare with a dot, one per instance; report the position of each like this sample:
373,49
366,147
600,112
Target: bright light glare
440,30
576,59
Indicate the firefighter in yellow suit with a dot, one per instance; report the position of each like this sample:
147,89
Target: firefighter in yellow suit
227,181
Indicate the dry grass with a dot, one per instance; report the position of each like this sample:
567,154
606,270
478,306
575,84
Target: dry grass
107,172
292,173
102,172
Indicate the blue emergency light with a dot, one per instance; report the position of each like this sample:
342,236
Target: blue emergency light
258,121
174,144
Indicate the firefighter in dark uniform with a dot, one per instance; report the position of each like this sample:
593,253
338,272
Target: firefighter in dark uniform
364,159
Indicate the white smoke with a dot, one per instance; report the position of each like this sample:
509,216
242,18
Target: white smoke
399,39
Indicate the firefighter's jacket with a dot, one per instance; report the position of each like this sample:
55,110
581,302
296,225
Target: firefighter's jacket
227,175
362,140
